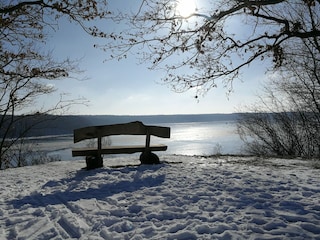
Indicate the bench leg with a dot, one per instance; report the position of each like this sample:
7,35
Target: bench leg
148,157
94,162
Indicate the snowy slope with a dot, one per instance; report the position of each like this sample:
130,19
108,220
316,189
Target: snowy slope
201,198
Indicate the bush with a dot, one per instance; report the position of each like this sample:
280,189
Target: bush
26,154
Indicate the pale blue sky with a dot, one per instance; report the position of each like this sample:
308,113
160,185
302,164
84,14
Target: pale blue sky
127,88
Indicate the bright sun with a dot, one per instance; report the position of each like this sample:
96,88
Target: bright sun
186,7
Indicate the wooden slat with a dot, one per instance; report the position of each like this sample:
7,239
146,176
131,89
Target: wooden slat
163,132
116,150
133,128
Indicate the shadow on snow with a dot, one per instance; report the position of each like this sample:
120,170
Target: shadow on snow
76,191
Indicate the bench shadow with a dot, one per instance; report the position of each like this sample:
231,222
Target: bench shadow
101,192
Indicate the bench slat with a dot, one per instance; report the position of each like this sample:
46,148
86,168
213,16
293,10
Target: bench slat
117,150
133,128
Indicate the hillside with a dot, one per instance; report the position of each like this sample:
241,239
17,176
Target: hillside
223,198
58,125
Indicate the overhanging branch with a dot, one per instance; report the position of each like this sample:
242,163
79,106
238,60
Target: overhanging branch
18,6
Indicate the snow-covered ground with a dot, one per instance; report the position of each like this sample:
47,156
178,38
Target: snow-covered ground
188,198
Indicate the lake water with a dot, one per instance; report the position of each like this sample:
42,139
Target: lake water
192,138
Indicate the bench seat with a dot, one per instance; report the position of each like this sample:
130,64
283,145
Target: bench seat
117,150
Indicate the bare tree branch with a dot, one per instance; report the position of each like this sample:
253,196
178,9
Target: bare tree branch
26,71
199,50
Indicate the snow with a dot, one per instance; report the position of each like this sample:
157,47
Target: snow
185,197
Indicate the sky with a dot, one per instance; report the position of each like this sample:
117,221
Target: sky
128,88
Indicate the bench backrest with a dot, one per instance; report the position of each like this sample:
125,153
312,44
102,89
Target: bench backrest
132,128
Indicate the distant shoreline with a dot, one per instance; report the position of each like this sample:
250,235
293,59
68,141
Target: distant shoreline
65,124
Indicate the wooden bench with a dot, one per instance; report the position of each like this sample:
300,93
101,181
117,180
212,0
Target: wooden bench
94,155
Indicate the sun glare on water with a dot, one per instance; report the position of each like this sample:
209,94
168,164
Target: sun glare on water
186,7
